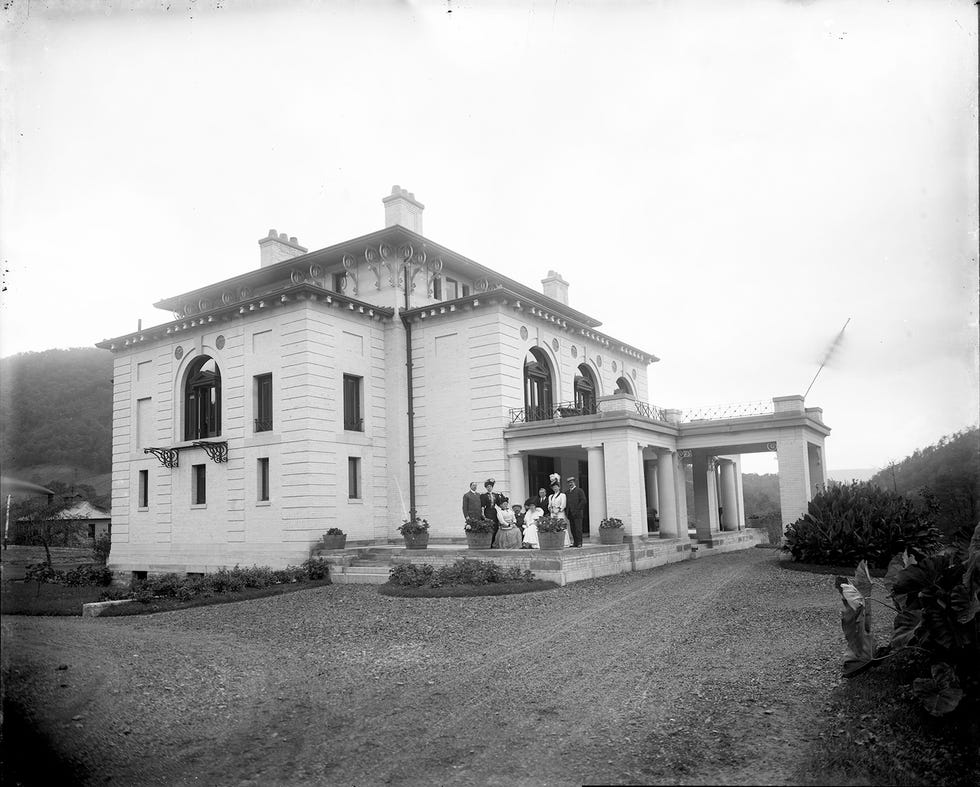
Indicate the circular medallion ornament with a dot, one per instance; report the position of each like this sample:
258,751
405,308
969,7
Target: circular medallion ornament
370,255
348,261
220,342
614,366
178,353
227,297
189,308
385,251
296,277
523,332
316,271
482,285
245,292
405,251
204,304
437,265
554,345
598,361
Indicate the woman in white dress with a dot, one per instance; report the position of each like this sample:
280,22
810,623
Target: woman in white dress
532,513
508,534
557,503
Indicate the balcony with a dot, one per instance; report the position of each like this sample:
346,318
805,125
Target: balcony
520,415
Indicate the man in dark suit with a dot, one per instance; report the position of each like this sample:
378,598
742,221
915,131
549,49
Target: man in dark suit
471,503
488,501
575,510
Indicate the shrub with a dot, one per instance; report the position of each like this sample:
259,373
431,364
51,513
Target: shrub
847,523
937,606
96,576
335,531
478,524
103,544
316,568
165,584
413,525
41,572
611,522
411,574
551,524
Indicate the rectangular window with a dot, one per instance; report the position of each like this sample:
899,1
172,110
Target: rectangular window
199,485
144,489
465,290
452,289
339,280
353,478
263,403
262,485
353,420
437,288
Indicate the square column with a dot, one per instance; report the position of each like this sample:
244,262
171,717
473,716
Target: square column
794,478
705,496
641,467
624,486
597,487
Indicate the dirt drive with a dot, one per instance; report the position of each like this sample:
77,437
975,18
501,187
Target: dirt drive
710,671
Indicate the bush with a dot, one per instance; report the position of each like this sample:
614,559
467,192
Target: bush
316,568
411,575
612,523
477,524
335,531
96,576
165,584
413,526
41,572
103,544
462,572
848,523
551,524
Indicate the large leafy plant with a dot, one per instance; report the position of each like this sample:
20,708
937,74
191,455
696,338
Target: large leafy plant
478,524
413,526
936,602
848,523
551,524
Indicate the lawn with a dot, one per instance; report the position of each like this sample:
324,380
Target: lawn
28,598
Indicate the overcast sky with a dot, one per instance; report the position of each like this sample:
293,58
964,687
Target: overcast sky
723,184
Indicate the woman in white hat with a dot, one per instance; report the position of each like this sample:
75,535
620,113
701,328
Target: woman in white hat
557,502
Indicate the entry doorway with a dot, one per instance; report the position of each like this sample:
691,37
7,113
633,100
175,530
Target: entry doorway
583,482
538,470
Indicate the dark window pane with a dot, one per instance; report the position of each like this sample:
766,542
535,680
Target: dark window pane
263,403
353,420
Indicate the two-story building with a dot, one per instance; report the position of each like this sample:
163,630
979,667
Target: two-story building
349,386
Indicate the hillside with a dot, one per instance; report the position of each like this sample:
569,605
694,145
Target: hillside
56,409
944,477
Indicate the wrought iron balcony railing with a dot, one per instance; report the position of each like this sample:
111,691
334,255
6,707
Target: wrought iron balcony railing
722,412
263,424
563,410
354,424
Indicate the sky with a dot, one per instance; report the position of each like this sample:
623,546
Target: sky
723,184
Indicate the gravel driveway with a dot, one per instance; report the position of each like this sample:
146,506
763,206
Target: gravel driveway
709,671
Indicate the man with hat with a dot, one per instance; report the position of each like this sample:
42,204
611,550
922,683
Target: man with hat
489,500
575,510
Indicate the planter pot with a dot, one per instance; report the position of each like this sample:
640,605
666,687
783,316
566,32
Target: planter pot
416,540
334,542
611,535
479,540
551,540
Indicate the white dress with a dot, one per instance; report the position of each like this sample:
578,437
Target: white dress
531,529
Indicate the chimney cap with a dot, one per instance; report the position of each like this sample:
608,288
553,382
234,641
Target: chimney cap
397,192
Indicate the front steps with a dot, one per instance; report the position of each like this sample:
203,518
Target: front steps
371,564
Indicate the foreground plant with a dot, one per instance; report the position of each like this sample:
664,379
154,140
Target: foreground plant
936,602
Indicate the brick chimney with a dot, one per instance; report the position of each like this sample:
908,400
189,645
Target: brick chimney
402,208
554,286
275,248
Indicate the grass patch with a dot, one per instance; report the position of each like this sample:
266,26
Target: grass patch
170,604
877,733
457,591
29,598
19,599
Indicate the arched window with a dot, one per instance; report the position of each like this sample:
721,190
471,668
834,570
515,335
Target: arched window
538,386
625,386
202,399
585,390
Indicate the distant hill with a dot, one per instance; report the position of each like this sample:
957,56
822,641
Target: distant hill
944,477
854,474
760,493
56,416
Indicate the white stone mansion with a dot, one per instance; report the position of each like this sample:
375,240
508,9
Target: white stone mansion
346,386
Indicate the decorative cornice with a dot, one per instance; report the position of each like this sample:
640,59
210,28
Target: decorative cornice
304,291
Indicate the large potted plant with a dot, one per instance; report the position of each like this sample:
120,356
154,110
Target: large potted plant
334,538
551,532
611,531
479,532
415,531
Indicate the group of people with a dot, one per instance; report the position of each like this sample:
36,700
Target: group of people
514,526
